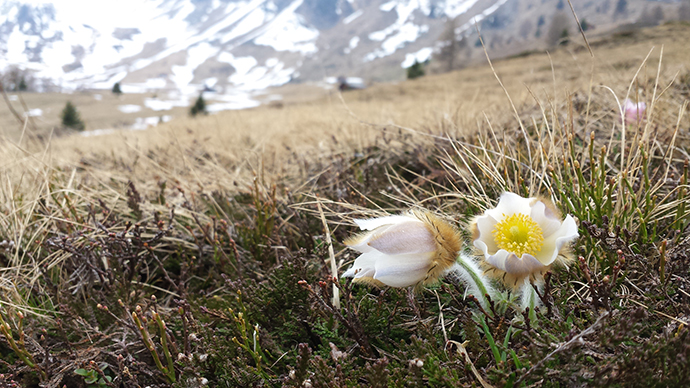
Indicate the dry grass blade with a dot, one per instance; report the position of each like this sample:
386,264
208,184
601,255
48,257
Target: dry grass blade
579,26
331,256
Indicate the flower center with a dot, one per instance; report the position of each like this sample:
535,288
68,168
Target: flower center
518,234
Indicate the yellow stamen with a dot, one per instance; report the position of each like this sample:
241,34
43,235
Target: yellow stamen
519,234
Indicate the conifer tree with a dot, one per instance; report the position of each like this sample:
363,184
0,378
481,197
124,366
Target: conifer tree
564,37
199,106
70,117
585,25
415,71
116,89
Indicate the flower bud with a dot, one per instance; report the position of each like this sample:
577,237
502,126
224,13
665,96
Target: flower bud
403,250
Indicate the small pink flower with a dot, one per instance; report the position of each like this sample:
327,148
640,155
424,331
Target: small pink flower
634,112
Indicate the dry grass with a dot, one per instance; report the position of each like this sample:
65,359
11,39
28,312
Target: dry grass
440,103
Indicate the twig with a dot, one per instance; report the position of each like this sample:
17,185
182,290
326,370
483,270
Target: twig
14,112
463,351
563,347
26,111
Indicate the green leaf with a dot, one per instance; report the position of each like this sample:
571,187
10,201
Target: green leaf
490,339
82,372
516,360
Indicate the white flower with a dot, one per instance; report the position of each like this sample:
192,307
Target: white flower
403,250
522,237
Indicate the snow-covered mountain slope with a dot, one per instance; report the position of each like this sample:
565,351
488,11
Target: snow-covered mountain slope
238,47
224,44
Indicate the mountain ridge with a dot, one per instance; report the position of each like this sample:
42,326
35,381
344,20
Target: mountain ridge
239,48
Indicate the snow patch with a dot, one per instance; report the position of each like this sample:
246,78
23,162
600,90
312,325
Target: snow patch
249,23
454,8
33,113
242,65
387,7
420,56
408,32
96,132
158,105
352,45
232,103
129,108
402,31
250,77
287,32
350,18
478,18
354,42
142,123
155,83
182,76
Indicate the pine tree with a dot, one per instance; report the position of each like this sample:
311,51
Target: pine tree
199,106
22,85
585,25
415,71
70,117
564,37
116,89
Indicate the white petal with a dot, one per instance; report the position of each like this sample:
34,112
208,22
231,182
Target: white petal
510,203
485,242
545,218
361,242
524,265
350,273
498,259
510,263
402,270
364,265
374,223
411,236
552,245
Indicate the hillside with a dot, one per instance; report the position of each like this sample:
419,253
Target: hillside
176,48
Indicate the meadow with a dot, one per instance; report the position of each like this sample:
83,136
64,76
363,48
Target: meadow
201,252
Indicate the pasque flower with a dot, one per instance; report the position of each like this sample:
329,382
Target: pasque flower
403,250
634,112
522,237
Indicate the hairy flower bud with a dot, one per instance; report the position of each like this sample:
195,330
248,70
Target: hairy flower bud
404,250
